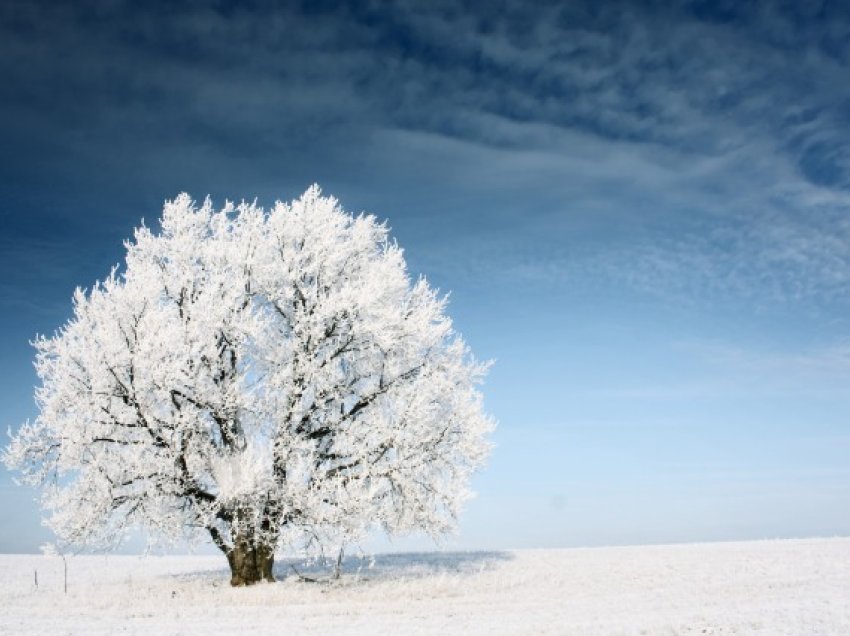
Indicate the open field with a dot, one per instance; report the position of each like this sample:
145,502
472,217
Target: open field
769,587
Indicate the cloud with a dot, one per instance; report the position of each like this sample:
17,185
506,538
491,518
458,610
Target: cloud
688,150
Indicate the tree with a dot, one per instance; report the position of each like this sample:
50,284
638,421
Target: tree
268,379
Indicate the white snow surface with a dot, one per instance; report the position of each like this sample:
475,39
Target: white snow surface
767,587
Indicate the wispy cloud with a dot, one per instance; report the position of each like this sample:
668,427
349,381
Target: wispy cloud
693,150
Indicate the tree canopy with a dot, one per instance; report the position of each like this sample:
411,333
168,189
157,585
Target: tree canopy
266,378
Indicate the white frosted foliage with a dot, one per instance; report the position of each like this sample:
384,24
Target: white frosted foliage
275,375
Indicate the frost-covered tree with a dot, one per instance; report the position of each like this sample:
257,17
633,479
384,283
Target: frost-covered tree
260,378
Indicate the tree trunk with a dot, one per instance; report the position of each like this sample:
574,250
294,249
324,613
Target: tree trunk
250,563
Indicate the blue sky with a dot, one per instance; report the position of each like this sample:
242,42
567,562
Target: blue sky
640,210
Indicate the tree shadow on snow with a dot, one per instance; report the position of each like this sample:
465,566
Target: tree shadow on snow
393,565
377,567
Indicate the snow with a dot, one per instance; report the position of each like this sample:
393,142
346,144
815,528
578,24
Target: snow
768,587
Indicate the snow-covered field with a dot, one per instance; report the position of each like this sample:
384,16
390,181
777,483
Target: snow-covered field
769,587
